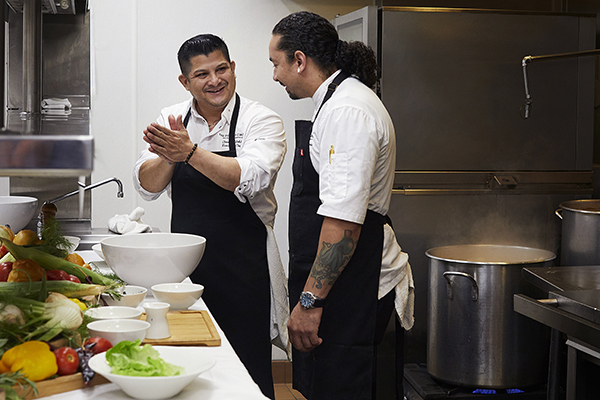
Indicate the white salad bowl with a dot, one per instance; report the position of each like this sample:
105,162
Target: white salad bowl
17,211
145,259
194,360
179,295
117,330
113,312
131,296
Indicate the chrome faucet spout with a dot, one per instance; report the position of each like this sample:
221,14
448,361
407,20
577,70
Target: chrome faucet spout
89,187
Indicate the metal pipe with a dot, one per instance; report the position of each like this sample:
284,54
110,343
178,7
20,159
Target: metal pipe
32,56
528,59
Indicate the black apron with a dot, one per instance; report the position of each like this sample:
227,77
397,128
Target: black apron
342,367
234,269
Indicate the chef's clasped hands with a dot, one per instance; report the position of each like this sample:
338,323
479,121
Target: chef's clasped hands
172,145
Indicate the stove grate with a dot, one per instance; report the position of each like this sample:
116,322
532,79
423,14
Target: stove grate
420,385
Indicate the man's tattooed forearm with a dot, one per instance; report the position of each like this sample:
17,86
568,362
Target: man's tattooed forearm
332,259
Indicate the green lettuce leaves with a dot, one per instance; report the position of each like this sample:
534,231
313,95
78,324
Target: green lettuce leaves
130,358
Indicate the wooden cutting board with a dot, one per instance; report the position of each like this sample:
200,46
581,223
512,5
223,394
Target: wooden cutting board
60,385
188,328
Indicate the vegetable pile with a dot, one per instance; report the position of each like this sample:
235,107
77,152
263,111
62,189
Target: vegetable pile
43,293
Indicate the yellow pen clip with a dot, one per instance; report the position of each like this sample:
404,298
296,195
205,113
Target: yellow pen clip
331,151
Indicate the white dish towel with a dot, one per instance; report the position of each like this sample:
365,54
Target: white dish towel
132,223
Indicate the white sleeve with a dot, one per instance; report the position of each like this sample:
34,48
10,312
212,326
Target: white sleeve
348,150
261,153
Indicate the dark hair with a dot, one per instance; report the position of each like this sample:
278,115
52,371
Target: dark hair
317,38
203,44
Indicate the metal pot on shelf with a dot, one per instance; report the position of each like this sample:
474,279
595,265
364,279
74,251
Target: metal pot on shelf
580,240
474,337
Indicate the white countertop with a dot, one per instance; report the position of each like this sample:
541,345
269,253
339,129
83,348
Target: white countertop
227,380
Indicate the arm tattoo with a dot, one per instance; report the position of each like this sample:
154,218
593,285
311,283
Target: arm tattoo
332,259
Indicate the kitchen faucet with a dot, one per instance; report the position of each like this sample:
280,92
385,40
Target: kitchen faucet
49,209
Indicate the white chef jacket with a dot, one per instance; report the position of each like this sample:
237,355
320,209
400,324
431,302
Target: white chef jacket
260,147
353,149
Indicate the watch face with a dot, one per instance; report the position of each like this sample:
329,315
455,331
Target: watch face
307,300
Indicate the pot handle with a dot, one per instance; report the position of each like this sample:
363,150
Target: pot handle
474,291
558,213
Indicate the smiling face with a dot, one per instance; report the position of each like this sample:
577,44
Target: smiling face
211,80
284,72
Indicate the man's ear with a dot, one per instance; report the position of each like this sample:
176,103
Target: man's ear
299,60
184,81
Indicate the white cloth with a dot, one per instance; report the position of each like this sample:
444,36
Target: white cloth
280,309
129,223
353,149
396,274
58,104
260,146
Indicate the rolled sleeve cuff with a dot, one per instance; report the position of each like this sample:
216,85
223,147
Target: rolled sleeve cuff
244,190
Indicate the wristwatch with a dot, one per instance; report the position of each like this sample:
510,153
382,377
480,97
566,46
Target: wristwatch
309,300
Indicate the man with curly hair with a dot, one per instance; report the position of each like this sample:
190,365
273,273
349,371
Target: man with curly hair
343,170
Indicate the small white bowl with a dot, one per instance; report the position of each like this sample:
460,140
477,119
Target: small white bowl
131,296
193,359
74,241
179,295
117,330
113,312
98,250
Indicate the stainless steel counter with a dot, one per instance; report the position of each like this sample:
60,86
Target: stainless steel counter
571,309
564,278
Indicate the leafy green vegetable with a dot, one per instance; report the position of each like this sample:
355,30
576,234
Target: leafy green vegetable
129,358
9,379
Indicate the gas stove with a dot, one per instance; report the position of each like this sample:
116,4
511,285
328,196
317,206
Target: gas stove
420,385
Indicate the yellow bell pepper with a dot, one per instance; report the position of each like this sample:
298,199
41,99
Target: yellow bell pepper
34,359
82,306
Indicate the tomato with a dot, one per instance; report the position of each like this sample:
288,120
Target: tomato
67,360
3,251
101,344
5,269
73,278
56,275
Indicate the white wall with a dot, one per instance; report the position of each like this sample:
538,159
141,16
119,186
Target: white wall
134,75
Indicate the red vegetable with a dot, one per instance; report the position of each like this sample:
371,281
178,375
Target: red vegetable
67,360
3,251
5,269
73,278
101,344
56,275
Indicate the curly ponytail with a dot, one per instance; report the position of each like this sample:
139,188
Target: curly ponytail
359,60
317,38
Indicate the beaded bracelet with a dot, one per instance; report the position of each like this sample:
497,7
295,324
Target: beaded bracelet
191,152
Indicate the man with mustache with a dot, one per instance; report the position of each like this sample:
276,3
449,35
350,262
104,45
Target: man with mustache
217,156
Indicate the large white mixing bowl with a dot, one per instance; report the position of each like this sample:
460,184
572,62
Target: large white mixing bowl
17,211
146,259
